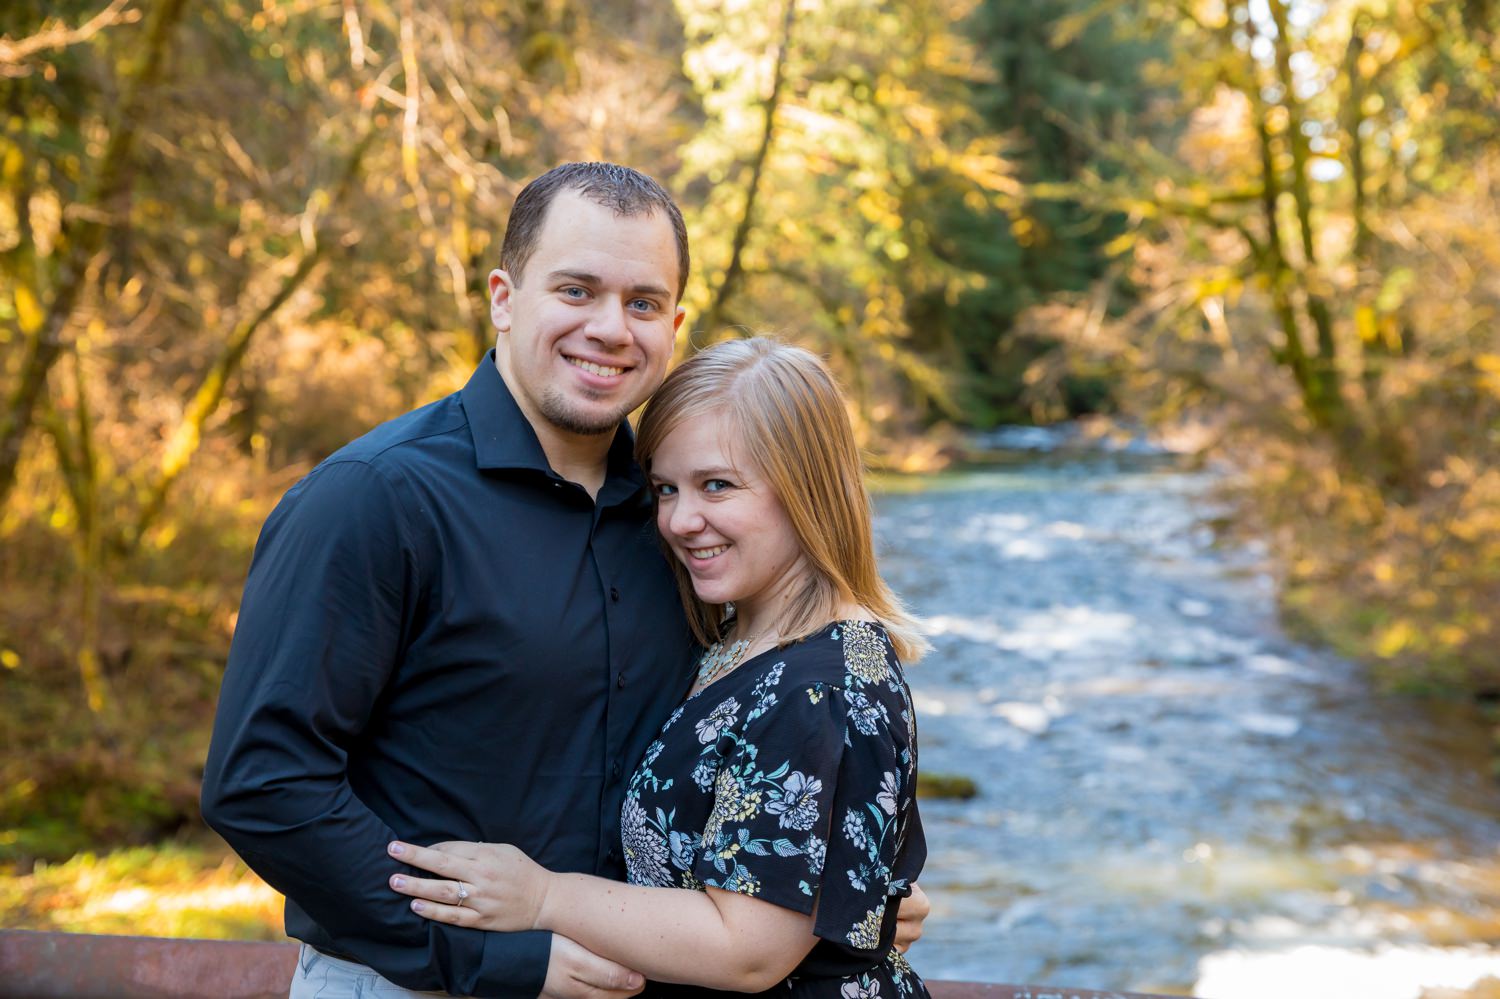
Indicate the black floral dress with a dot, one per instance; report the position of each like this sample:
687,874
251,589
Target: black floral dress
793,779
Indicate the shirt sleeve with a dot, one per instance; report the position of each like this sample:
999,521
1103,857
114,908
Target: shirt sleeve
808,808
324,618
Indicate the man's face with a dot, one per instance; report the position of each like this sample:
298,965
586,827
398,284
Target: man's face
586,334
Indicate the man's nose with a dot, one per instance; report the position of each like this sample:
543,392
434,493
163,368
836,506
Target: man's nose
609,323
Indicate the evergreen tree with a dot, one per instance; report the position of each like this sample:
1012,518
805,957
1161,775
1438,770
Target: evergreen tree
1061,83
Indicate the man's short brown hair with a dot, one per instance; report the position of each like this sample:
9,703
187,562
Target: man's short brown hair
628,192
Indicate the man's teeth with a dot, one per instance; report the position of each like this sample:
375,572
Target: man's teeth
703,553
595,369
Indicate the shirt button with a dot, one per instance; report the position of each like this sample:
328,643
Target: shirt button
612,856
620,680
616,768
614,594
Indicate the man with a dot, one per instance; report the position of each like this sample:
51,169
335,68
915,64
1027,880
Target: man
460,625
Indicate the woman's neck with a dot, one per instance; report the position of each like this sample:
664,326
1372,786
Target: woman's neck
765,626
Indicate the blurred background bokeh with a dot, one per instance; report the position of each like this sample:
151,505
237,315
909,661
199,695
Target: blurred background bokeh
235,234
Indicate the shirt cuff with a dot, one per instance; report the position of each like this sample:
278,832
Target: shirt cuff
514,965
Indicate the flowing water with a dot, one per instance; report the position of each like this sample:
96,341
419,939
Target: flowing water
1174,795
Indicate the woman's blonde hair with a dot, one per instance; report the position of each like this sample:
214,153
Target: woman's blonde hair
791,421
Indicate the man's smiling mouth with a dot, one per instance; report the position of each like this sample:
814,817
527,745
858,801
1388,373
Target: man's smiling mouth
594,369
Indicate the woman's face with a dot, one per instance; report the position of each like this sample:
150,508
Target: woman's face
723,522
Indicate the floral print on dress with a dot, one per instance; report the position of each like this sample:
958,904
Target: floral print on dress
704,774
791,779
797,801
867,714
717,721
645,849
865,653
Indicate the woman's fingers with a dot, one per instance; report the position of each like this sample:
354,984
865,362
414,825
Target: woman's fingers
496,888
439,913
461,848
445,891
448,865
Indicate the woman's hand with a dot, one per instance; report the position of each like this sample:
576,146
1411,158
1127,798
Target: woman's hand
487,886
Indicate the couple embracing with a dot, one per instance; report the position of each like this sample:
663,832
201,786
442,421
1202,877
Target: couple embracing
488,741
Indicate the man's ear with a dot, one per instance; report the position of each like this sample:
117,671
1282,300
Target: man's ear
677,320
501,287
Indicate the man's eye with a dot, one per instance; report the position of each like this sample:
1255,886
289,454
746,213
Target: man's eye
574,292
643,305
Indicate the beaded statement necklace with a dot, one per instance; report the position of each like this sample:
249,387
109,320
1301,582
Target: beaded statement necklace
720,660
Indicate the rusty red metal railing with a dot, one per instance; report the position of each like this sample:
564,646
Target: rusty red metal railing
39,965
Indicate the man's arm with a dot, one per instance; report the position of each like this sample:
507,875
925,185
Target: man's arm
324,619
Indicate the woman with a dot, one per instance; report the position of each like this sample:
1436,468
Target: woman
772,827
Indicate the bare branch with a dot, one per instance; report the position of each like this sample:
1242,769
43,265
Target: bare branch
59,36
356,35
189,432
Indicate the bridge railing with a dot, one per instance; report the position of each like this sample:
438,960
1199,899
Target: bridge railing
40,965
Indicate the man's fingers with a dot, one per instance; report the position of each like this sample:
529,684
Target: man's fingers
588,990
444,891
591,990
609,976
589,976
446,865
909,918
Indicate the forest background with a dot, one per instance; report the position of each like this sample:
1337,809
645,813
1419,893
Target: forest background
236,234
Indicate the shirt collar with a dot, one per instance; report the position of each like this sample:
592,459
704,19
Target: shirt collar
504,438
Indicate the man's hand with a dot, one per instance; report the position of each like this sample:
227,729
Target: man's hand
914,910
574,972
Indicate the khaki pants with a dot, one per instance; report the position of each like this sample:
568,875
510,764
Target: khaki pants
319,976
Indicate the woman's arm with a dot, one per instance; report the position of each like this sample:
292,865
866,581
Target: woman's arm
717,939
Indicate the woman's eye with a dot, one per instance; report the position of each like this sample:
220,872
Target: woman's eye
662,489
717,485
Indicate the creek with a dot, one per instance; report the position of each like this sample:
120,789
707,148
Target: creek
1173,794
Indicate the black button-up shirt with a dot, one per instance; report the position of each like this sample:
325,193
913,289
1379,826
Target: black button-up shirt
442,639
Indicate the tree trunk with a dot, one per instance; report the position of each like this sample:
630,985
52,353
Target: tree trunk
1273,266
90,552
713,316
80,242
1329,399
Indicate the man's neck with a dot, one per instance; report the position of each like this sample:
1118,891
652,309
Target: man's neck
580,458
583,460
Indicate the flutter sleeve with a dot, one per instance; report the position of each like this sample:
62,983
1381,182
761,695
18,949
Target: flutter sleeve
811,805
